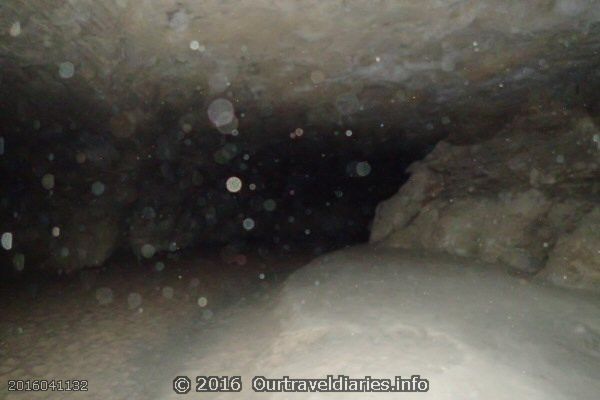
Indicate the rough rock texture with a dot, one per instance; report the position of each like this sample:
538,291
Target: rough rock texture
575,260
528,198
347,60
130,93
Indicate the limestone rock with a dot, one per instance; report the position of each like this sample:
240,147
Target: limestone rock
575,259
397,211
490,228
523,198
119,91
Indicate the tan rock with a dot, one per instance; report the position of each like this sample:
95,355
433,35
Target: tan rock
575,260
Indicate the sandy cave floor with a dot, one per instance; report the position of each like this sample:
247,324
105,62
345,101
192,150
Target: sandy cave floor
123,340
472,330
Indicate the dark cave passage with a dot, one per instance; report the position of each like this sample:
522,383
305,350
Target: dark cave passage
355,190
310,190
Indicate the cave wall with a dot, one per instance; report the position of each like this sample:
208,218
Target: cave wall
115,136
529,197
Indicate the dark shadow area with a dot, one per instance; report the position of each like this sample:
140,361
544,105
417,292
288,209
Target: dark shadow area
309,190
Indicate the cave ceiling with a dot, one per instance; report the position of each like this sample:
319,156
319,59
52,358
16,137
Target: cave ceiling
416,69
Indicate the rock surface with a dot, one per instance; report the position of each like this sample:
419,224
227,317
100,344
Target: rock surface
329,61
575,260
528,198
121,106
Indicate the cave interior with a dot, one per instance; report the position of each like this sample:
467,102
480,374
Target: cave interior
168,164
